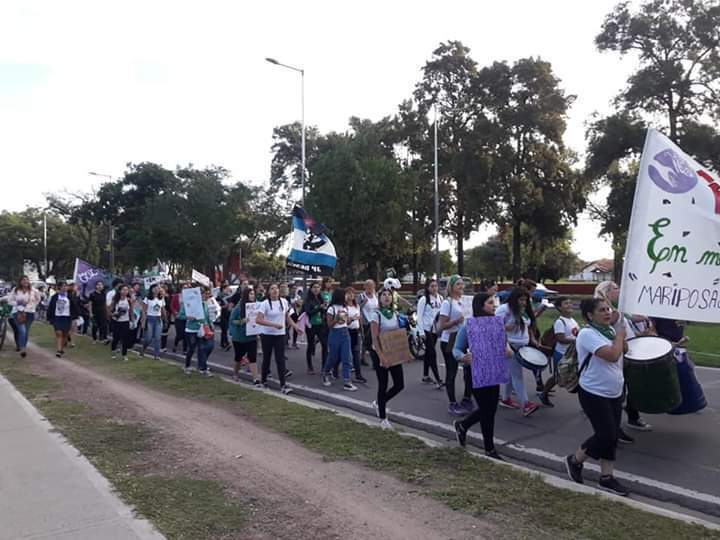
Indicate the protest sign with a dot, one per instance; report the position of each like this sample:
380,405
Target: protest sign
201,278
466,304
252,328
192,301
149,281
395,348
487,343
672,260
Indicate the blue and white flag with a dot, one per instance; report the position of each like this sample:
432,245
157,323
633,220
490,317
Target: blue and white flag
312,251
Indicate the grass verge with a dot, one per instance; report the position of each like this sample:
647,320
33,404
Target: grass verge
520,504
116,448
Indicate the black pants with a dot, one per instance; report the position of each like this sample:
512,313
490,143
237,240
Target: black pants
383,376
451,369
430,361
99,326
273,344
122,335
604,415
487,402
355,351
164,333
315,334
245,348
180,334
224,323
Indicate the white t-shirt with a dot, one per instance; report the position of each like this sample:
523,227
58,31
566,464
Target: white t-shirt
452,309
214,309
354,311
517,337
62,306
385,324
336,311
600,377
153,308
567,326
428,311
25,301
122,311
369,307
276,314
109,297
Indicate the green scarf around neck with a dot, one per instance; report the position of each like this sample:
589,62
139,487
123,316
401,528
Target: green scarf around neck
607,331
387,312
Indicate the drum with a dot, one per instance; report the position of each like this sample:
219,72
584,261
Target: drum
651,375
693,398
532,358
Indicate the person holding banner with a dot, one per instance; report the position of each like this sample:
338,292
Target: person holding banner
245,346
484,347
274,316
178,320
198,335
385,319
24,300
122,314
60,314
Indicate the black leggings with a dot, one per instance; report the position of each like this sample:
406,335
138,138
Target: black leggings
314,333
604,415
180,334
487,402
355,350
451,369
99,327
270,344
430,361
122,335
383,375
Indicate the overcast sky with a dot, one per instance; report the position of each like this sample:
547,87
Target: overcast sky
90,86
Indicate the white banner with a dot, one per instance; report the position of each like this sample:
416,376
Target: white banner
251,329
192,301
149,281
466,302
201,278
672,260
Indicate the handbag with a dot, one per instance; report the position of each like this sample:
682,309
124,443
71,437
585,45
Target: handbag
206,332
20,317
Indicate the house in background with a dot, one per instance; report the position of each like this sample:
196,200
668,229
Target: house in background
600,270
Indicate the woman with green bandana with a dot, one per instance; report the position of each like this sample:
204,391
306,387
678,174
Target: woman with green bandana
600,350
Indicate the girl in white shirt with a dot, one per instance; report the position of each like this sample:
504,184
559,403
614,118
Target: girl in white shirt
337,320
24,300
428,309
153,314
354,317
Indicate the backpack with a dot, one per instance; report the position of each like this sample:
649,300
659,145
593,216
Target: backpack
568,374
548,339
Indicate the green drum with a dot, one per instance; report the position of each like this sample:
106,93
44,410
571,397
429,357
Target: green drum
651,375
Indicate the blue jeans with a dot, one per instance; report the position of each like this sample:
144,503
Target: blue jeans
204,348
516,379
153,331
339,351
23,330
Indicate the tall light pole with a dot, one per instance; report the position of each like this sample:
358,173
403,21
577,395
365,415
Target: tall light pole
111,230
302,117
437,201
47,270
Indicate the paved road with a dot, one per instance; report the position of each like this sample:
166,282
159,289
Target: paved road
683,451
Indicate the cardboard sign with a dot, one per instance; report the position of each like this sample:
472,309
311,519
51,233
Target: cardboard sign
192,301
466,302
252,328
201,278
395,347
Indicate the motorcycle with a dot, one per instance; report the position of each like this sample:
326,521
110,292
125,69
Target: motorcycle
416,337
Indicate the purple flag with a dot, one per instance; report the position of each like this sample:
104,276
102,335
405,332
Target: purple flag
486,342
86,276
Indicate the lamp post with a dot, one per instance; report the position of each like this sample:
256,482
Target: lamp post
437,201
111,230
302,117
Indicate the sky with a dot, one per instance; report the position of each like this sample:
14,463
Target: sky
90,86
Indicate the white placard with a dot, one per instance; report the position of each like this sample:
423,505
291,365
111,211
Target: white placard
252,328
466,302
672,261
192,301
201,278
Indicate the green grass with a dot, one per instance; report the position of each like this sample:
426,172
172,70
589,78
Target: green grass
703,348
520,505
180,507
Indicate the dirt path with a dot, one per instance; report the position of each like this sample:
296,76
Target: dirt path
299,495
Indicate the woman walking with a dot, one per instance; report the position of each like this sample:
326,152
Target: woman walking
274,316
122,315
198,335
179,321
489,371
600,351
384,320
449,321
60,314
355,338
338,340
153,313
313,308
245,346
24,301
428,309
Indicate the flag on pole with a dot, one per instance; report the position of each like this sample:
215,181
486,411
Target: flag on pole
86,276
312,251
672,259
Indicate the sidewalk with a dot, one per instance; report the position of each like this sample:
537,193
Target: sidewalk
48,490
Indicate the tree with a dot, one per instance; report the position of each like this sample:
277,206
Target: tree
677,42
490,260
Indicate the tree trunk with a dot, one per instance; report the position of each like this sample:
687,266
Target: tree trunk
516,251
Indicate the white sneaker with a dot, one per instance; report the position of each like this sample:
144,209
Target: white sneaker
350,387
286,390
125,358
113,355
377,410
385,424
206,373
187,370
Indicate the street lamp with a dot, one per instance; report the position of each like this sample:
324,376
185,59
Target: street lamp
111,229
302,117
437,200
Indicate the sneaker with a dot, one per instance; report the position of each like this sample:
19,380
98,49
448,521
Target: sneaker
460,433
72,345
23,354
286,390
385,424
327,381
288,373
456,410
125,358
350,387
156,358
639,425
625,438
187,370
545,400
509,403
205,372
609,483
58,354
360,379
493,454
163,350
376,408
439,385
257,384
426,380
530,408
113,354
574,469
467,404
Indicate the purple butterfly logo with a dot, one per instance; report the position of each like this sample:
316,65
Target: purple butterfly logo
671,173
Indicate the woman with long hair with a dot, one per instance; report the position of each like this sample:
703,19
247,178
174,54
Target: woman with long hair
245,346
179,320
61,313
385,319
338,340
153,313
517,325
355,337
198,335
313,308
24,301
428,308
489,372
121,315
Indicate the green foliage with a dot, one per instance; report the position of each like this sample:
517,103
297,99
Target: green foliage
490,260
